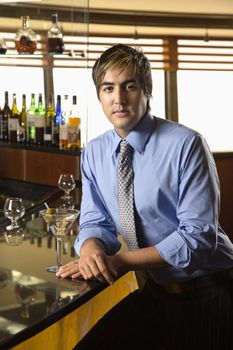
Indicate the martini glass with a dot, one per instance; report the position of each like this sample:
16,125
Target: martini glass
59,221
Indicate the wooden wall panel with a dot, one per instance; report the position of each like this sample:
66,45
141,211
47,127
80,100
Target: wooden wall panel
225,172
37,167
45,167
12,163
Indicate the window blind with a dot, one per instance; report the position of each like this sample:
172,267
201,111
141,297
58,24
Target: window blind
167,53
205,54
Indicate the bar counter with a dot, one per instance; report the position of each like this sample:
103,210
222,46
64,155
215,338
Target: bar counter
38,310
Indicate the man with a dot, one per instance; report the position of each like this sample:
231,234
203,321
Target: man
186,302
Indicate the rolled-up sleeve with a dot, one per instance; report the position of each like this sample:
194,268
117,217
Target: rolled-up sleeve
197,210
95,221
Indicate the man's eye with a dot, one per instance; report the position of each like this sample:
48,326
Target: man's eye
130,86
108,89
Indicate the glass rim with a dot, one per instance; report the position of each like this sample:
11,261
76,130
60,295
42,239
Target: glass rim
60,211
14,198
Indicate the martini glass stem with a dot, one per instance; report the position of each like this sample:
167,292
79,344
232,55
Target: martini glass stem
59,253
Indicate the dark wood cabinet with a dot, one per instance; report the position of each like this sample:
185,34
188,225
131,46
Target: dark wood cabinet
40,166
224,163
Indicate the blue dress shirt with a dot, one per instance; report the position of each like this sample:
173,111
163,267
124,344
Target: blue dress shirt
176,193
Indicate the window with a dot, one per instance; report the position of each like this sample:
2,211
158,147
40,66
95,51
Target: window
158,94
205,104
204,82
21,80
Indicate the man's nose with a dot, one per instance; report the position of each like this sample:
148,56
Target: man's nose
120,97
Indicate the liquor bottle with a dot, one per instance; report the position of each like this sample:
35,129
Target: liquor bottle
0,123
49,117
6,114
74,126
21,136
56,123
31,132
3,47
63,128
13,121
25,38
55,42
39,122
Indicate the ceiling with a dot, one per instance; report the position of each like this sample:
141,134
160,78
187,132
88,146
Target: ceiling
181,6
149,17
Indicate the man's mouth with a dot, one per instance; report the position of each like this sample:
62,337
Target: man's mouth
120,111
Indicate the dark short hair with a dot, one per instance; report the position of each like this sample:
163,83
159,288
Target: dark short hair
120,57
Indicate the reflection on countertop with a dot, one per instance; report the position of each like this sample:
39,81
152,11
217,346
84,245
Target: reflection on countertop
26,300
30,297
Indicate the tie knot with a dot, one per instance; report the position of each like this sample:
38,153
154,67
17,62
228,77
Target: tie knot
125,149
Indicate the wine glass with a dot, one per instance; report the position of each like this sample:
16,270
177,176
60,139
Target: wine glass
13,210
67,184
59,221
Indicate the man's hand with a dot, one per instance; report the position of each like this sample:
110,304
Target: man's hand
70,270
95,263
92,264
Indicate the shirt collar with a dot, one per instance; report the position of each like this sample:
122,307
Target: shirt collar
138,137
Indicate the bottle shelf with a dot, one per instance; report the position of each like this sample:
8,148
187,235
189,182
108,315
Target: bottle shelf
65,60
68,55
43,148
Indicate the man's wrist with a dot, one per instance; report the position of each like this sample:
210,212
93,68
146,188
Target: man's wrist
96,241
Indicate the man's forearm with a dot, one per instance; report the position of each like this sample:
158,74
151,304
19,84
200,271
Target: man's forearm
144,258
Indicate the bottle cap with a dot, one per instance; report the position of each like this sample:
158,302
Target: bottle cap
54,17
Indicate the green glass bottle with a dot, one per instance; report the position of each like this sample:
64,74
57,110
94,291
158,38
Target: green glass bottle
40,122
31,122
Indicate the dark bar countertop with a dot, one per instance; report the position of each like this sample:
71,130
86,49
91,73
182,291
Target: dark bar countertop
31,298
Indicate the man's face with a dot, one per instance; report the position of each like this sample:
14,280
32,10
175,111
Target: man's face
122,100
